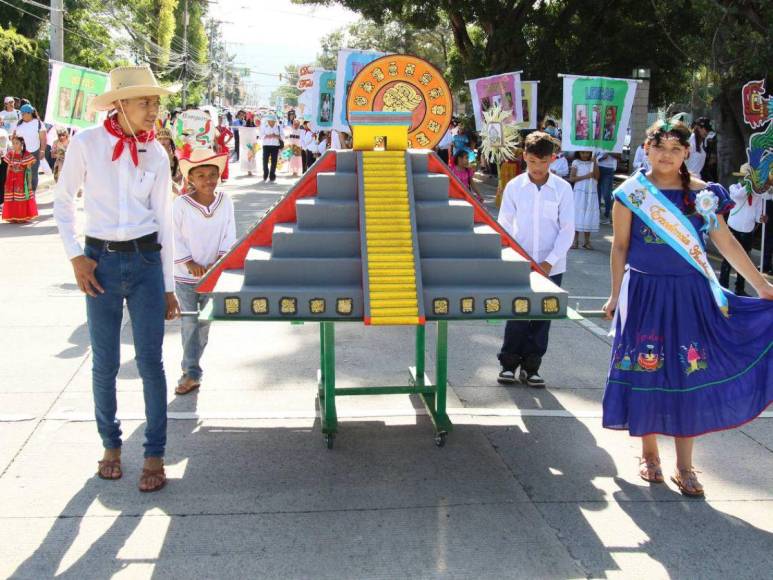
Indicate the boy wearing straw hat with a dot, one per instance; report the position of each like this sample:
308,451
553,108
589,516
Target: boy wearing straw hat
204,230
127,257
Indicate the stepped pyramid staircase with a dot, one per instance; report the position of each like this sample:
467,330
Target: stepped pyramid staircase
382,237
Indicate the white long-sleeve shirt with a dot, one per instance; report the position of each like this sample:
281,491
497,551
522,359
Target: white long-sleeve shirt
201,234
744,216
560,167
307,140
640,160
121,202
270,135
697,159
540,219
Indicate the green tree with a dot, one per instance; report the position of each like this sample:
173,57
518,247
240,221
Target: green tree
288,90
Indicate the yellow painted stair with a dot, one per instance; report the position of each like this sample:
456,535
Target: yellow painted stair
389,238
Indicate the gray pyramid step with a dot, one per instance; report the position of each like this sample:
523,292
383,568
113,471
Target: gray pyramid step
430,187
327,213
260,268
346,161
336,186
451,213
420,161
292,241
511,268
478,242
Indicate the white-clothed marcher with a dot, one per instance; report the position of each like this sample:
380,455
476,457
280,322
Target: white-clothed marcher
586,198
697,159
745,216
540,219
640,160
248,140
560,167
201,234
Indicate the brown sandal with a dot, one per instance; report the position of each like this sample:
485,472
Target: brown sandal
108,466
158,473
587,246
184,389
650,471
687,482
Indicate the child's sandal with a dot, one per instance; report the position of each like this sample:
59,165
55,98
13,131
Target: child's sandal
687,482
650,471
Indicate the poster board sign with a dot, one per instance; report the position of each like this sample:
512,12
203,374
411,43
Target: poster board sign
350,63
596,113
529,103
70,92
503,90
322,100
195,127
305,77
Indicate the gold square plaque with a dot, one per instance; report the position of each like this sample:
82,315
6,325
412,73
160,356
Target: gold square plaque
467,305
317,305
344,306
440,306
288,306
233,305
493,305
550,305
521,306
260,305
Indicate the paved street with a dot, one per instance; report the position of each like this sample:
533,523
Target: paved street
529,484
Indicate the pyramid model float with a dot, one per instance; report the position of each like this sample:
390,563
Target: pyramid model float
387,237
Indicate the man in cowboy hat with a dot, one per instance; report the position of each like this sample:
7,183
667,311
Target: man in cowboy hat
128,254
204,230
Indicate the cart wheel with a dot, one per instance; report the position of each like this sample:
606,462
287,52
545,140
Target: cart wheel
440,439
329,439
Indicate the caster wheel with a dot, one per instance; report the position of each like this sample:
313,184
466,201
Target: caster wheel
329,439
440,439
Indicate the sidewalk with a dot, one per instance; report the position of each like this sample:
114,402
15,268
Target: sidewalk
528,485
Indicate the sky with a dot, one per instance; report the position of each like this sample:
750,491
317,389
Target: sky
266,35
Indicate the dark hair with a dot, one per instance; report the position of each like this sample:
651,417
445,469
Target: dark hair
540,144
550,123
460,153
698,137
23,143
660,130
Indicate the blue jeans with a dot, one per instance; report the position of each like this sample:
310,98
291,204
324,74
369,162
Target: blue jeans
36,171
606,180
195,332
135,277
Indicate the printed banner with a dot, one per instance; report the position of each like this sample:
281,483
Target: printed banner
70,92
322,99
195,127
529,103
305,77
350,62
503,90
757,112
596,113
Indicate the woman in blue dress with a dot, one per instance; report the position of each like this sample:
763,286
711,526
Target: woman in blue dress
688,357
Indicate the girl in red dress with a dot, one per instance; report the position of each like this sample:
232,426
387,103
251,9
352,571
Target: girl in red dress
223,138
19,203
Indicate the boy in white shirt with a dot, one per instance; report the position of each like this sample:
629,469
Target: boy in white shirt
538,212
204,230
742,221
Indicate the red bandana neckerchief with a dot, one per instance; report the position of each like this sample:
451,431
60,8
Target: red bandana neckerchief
112,127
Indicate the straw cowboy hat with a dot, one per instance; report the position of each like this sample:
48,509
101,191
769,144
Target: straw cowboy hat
745,171
129,82
201,157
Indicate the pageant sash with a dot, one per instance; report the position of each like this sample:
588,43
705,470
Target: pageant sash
647,202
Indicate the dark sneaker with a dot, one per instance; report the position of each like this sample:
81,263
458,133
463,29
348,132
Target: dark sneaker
506,377
532,379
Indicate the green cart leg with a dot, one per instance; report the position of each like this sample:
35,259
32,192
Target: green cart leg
436,403
327,380
417,376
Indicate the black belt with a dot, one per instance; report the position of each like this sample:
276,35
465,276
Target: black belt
147,243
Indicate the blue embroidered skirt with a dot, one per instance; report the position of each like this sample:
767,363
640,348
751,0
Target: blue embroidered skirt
680,367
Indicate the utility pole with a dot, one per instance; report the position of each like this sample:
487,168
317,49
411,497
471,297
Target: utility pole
185,56
57,30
